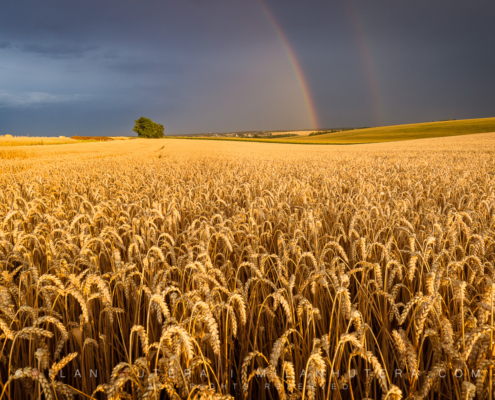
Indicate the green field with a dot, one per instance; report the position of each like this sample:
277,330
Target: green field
387,133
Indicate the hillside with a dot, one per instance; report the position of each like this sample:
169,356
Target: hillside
385,133
404,132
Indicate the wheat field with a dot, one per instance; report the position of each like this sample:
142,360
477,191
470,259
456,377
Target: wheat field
10,141
171,269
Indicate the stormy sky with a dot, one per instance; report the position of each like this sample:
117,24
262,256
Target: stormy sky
92,67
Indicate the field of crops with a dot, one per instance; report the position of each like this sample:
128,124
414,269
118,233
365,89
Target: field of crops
392,133
174,269
18,141
8,141
405,132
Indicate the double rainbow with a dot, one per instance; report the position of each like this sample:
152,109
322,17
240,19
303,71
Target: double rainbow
365,55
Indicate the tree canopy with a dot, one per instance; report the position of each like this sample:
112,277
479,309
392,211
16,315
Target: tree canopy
146,128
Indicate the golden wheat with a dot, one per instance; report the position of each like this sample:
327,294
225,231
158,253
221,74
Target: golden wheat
219,270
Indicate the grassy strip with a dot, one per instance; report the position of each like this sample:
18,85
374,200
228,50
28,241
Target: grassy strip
228,139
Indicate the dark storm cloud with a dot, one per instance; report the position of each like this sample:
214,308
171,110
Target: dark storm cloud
92,67
30,99
136,65
57,51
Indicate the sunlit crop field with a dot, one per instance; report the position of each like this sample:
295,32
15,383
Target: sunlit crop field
393,133
174,269
7,142
33,141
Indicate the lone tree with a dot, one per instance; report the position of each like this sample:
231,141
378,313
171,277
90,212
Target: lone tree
146,128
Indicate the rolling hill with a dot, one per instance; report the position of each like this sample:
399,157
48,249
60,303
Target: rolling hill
389,133
403,132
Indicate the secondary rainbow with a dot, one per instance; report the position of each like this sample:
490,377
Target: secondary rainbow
296,66
365,54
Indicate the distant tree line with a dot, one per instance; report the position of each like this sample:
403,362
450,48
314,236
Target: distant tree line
271,136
